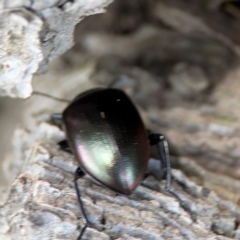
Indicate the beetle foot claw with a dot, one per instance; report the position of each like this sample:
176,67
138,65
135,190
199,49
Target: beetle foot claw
184,205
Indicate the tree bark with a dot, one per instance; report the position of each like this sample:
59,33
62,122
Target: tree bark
42,203
180,64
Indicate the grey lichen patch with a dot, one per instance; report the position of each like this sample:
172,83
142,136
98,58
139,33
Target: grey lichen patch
20,51
16,3
34,33
224,226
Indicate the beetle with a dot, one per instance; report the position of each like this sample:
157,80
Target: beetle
107,136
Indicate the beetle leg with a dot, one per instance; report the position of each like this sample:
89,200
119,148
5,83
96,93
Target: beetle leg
154,168
63,145
162,147
79,174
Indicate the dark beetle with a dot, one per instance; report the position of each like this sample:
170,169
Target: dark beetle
107,136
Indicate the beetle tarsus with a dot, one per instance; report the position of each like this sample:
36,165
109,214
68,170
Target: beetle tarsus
184,205
82,232
79,174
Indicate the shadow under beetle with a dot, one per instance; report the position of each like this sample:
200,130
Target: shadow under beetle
107,136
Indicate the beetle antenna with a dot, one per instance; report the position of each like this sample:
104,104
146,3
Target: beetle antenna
50,96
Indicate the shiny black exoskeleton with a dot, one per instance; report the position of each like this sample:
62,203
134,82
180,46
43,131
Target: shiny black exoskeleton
107,136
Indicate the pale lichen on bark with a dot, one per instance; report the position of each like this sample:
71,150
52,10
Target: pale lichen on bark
34,33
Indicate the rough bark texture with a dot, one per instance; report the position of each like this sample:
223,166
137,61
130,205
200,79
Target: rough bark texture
42,203
179,62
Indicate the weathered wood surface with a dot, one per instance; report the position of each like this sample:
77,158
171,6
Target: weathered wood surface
185,80
42,204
